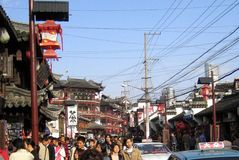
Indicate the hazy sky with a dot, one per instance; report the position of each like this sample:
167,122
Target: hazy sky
104,41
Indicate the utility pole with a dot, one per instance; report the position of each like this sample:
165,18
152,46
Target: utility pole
214,110
146,89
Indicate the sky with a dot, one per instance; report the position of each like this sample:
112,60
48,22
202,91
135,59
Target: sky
104,41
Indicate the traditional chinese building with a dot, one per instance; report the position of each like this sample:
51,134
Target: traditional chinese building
95,114
15,95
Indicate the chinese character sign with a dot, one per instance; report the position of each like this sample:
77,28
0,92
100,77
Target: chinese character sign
72,115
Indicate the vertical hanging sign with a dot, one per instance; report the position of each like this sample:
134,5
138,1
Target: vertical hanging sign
72,115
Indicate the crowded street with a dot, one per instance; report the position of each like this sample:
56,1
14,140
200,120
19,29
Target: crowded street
119,80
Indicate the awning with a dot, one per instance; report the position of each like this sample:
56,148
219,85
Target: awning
52,111
228,103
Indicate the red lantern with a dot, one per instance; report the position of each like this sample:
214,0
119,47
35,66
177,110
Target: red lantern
125,122
47,39
109,130
205,91
161,107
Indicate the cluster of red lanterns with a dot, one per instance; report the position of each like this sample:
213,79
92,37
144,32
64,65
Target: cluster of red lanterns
118,130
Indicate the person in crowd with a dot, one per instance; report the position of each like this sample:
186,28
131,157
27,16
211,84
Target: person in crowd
108,143
173,141
131,153
59,150
202,137
80,148
21,153
192,142
93,153
92,144
3,149
104,152
186,141
31,147
63,142
116,153
43,149
69,145
51,149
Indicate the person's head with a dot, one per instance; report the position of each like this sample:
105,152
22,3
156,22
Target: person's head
115,148
116,138
80,142
98,147
55,141
18,144
50,139
92,143
29,144
45,140
108,138
129,142
67,139
62,139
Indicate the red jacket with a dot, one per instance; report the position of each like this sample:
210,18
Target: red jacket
4,154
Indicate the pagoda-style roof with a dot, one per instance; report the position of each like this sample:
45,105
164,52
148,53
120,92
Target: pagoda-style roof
5,22
22,30
79,83
18,31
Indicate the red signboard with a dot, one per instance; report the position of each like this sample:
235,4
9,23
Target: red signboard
161,107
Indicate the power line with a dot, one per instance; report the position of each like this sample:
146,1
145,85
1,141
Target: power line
103,40
217,18
195,21
200,56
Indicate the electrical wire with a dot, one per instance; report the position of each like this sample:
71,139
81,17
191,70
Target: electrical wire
220,41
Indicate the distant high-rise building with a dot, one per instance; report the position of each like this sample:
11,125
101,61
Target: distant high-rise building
168,94
214,68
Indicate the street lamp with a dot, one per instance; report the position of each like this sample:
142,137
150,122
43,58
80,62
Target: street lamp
208,80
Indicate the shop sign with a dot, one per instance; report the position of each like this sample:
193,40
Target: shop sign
72,115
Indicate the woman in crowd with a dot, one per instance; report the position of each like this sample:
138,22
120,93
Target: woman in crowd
116,153
60,153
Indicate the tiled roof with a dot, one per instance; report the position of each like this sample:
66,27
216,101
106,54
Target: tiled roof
79,83
226,104
5,22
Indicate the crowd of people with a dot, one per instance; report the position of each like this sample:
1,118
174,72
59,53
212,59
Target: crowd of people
64,148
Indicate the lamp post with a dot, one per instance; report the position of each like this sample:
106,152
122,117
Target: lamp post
34,107
208,80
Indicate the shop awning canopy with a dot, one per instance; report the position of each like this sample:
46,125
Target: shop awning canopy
52,111
228,103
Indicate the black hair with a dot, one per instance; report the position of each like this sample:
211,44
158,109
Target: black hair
18,143
113,146
29,141
81,138
45,138
108,135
